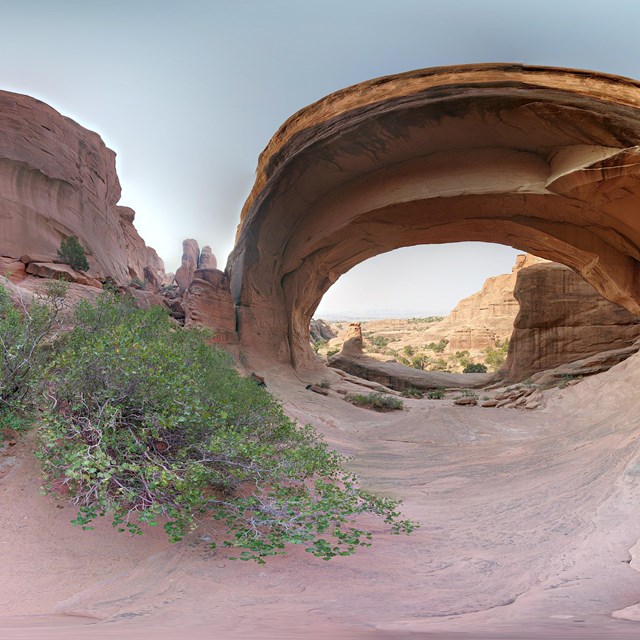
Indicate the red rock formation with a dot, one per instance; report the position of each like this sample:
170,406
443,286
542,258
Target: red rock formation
190,257
562,318
207,259
542,159
207,303
12,269
57,179
58,271
483,317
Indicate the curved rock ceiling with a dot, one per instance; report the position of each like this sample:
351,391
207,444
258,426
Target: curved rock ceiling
542,159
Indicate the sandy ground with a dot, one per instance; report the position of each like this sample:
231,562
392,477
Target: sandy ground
530,523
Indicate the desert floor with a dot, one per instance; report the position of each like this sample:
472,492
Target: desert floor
530,528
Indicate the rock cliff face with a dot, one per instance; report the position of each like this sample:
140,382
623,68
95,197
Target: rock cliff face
57,179
479,320
208,304
561,319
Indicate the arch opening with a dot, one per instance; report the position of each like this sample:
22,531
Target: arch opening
544,160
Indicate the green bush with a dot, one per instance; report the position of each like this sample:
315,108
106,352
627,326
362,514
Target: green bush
376,401
24,331
72,253
438,347
475,367
411,392
148,423
495,356
436,394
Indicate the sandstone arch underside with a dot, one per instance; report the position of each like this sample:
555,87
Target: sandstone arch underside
546,160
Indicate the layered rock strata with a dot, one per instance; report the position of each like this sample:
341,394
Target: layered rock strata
562,319
208,304
57,179
542,159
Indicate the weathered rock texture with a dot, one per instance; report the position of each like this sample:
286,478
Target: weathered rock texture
207,259
57,179
321,330
193,259
562,318
486,316
542,159
190,257
207,303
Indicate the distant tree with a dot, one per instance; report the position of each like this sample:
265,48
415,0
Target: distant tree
438,347
475,367
72,253
420,361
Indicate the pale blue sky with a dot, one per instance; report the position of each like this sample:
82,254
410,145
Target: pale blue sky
188,92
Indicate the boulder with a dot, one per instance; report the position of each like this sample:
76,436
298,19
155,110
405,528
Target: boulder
59,271
12,269
321,330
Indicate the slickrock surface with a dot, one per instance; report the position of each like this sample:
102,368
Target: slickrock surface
562,319
542,159
58,179
529,529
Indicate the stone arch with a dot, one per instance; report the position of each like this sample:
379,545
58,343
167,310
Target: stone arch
542,159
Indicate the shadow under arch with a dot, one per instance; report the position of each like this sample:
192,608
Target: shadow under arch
545,160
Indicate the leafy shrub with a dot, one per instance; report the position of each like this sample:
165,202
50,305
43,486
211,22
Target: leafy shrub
495,356
72,253
420,361
475,367
376,401
332,351
23,334
436,394
147,422
439,346
440,364
381,341
411,392
316,345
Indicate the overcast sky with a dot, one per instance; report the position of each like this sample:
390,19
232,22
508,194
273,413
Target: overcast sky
188,93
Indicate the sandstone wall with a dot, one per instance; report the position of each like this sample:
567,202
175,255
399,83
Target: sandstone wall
562,318
58,179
